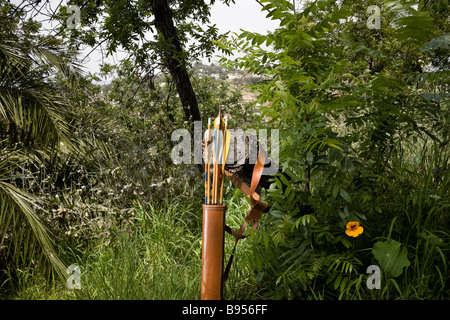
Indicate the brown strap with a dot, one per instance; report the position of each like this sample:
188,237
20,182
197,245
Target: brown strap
241,185
258,207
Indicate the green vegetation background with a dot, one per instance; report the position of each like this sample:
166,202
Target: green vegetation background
86,176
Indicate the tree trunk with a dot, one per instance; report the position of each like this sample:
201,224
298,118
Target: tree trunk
174,59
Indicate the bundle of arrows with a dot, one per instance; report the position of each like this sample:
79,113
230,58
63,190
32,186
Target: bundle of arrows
216,152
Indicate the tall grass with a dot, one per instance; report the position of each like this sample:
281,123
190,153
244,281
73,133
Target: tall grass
159,257
156,255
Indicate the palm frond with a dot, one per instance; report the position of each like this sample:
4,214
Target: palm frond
31,103
33,117
17,216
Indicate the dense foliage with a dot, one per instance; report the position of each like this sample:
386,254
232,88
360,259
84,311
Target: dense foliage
364,120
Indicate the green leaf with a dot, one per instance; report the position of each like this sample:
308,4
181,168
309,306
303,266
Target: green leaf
278,183
346,242
344,194
287,191
442,42
391,256
310,158
335,191
417,27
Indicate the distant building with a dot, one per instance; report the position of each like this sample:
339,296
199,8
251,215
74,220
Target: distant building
235,75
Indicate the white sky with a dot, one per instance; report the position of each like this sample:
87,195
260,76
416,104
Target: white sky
244,14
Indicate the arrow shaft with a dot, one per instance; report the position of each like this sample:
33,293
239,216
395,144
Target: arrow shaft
207,168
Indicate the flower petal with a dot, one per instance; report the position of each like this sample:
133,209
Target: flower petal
353,229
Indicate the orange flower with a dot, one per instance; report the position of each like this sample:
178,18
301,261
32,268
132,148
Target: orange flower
354,229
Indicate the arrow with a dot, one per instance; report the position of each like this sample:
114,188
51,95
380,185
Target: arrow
218,135
226,148
207,179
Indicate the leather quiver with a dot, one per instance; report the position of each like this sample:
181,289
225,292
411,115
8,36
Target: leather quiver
212,251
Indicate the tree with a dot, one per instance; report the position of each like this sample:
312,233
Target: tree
173,53
130,24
